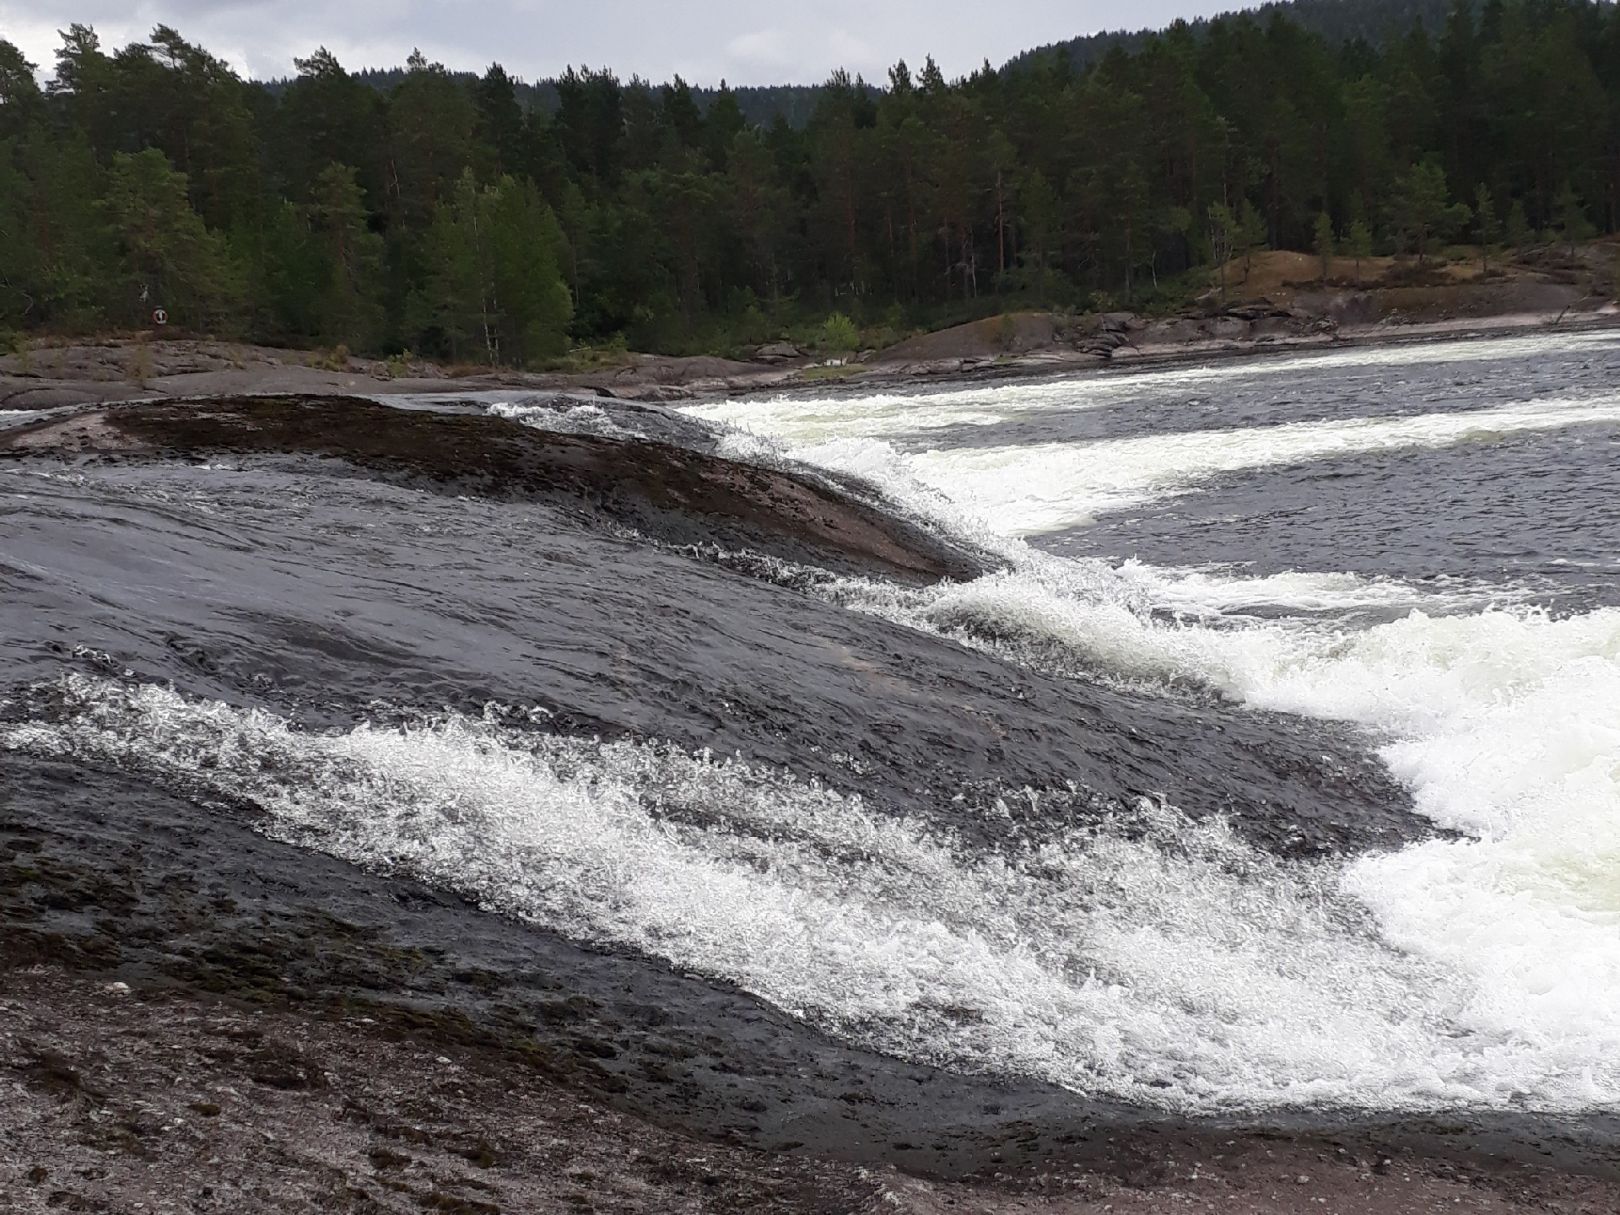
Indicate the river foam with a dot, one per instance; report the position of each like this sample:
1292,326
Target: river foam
1156,957
1504,721
1161,961
1035,488
806,418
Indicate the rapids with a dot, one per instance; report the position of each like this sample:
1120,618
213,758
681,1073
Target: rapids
1260,753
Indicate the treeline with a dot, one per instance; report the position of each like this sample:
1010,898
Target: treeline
761,105
445,216
1338,21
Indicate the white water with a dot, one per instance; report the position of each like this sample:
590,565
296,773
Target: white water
1029,489
1505,723
568,417
1167,963
1052,486
804,420
1175,965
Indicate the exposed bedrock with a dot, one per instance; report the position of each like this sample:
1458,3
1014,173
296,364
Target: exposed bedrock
305,585
670,493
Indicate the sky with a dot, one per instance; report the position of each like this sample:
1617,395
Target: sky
705,41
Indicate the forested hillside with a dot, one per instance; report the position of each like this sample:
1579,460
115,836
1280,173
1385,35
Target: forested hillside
443,215
1338,21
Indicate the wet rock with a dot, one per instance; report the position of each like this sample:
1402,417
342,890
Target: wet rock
671,493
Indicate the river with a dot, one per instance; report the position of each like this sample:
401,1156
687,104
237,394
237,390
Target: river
1261,759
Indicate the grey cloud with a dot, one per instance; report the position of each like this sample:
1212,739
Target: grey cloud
747,43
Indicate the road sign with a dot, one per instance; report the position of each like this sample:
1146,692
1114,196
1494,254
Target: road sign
160,316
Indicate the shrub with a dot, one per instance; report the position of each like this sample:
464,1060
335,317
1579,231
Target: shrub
335,359
140,365
839,334
17,344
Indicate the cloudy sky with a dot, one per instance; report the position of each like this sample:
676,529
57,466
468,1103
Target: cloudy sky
764,42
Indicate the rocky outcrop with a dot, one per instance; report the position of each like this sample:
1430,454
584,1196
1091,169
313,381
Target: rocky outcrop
670,493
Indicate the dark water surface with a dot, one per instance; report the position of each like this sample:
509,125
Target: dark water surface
1537,514
1027,842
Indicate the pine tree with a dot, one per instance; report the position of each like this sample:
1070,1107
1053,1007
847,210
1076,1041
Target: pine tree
1323,241
21,102
1420,211
494,290
1487,227
1223,239
1039,206
1569,214
1360,244
165,255
1517,232
349,312
1251,235
687,212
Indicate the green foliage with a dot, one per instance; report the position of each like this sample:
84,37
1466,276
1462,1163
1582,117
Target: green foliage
839,334
1487,226
1420,209
1223,238
164,255
449,213
17,344
1249,234
1359,244
1324,243
335,359
493,290
1518,232
1569,216
347,308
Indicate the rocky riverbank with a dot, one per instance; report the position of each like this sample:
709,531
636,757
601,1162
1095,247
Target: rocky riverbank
1278,303
194,1018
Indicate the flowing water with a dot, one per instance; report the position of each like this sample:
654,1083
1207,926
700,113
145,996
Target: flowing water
1022,825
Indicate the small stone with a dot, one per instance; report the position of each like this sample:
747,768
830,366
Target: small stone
443,1061
118,989
1302,1180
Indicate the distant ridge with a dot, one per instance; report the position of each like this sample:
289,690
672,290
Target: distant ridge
1337,21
